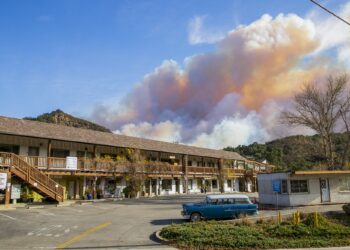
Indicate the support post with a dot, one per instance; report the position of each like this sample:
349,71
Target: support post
49,147
94,193
94,156
185,171
150,188
8,190
221,175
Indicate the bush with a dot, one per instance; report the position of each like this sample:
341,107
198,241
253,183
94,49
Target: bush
262,235
346,209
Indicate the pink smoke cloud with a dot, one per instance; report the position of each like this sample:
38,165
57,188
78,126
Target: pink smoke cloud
230,96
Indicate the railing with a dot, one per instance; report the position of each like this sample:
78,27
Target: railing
110,166
101,165
30,174
203,170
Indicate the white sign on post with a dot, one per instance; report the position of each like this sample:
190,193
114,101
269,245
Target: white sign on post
3,181
71,163
16,191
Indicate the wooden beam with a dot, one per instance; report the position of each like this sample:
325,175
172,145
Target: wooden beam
8,190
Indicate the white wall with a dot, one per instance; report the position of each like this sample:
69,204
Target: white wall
266,194
312,197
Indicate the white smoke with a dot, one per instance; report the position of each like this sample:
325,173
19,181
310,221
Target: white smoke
235,94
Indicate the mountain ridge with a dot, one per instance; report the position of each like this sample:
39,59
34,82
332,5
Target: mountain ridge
61,118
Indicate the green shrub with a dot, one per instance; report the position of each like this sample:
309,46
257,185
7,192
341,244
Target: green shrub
263,235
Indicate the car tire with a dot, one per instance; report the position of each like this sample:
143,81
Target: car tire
195,217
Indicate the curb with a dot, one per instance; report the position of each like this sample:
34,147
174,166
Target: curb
160,238
34,207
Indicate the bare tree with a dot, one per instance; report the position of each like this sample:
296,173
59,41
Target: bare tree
321,110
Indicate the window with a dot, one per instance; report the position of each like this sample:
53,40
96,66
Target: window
81,154
299,186
242,201
189,163
214,184
229,183
199,183
190,184
345,184
61,153
284,187
33,151
166,185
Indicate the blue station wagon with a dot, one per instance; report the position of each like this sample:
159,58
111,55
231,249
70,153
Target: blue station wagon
223,206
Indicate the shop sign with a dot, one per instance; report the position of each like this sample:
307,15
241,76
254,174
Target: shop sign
276,186
3,181
16,191
71,163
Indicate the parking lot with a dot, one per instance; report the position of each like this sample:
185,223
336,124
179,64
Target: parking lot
127,224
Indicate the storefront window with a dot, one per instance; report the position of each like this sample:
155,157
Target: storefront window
215,184
299,186
166,185
345,184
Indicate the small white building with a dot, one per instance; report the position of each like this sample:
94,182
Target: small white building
304,187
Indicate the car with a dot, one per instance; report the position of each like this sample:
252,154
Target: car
223,206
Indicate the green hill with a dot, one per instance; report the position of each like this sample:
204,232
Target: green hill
62,118
293,152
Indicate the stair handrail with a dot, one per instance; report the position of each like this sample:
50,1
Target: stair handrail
32,173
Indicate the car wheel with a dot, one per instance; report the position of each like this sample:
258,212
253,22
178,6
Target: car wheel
195,217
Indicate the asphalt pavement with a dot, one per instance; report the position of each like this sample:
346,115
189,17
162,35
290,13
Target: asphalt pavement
126,224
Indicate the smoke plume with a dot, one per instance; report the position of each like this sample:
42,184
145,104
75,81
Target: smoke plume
233,95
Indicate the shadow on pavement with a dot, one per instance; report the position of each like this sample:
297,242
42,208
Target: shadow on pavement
165,222
134,246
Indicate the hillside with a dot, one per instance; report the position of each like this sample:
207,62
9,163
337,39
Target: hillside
291,153
62,118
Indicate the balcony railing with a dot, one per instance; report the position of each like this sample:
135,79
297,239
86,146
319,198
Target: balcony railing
110,166
202,170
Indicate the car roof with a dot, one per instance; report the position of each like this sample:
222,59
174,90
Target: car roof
226,196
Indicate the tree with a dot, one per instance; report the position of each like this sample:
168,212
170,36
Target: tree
321,110
136,176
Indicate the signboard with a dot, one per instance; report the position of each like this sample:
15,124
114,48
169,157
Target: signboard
3,181
276,186
71,163
16,191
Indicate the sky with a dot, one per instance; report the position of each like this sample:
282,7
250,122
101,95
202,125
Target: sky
202,72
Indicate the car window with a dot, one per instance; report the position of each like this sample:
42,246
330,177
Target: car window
242,201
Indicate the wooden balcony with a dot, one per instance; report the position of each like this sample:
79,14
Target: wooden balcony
103,166
203,170
107,166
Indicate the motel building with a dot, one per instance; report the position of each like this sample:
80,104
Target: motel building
301,188
60,162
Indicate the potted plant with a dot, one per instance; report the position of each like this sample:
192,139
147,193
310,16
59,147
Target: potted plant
99,193
88,194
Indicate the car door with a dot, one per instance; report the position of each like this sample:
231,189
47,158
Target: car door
211,209
228,208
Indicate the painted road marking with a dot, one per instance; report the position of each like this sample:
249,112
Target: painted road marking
9,217
52,231
83,234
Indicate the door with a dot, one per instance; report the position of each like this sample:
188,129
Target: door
324,185
71,190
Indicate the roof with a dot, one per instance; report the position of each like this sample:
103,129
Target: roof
321,172
227,196
13,126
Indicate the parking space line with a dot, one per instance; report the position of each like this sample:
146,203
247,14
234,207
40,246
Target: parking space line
83,234
7,216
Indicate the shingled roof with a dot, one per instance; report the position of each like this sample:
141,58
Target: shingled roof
13,126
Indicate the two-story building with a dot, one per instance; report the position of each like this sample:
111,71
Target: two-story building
66,163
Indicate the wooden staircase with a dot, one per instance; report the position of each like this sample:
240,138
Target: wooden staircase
39,181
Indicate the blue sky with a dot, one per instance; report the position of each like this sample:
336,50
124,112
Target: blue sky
73,55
